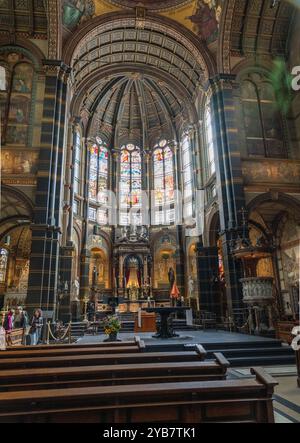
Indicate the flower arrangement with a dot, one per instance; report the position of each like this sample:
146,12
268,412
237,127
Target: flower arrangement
111,324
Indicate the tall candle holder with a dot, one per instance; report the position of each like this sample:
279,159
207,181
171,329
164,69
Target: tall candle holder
85,301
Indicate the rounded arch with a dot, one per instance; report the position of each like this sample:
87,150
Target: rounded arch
285,199
124,18
16,209
25,47
213,227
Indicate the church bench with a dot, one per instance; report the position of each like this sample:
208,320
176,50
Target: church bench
54,378
298,366
70,350
101,359
232,401
136,342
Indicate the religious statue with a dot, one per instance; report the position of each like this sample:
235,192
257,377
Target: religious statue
171,276
191,286
75,291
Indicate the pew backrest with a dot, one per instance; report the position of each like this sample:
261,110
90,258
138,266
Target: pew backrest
243,400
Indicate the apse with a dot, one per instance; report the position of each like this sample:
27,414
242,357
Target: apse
135,109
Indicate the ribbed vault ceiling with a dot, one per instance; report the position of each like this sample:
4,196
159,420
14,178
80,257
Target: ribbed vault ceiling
136,83
257,26
134,107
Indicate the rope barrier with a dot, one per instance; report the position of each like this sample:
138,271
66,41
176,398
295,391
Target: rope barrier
49,333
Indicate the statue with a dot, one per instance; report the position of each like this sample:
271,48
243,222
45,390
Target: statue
76,287
191,286
171,276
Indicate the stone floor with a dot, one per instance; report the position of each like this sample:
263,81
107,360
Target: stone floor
186,337
287,393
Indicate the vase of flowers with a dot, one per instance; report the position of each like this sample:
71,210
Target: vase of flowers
112,326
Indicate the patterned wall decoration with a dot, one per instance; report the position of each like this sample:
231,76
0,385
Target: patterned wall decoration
26,17
16,98
271,171
157,5
18,162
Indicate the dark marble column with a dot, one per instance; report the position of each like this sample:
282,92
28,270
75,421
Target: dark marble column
207,271
229,179
44,259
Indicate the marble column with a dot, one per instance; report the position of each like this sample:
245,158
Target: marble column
46,226
229,181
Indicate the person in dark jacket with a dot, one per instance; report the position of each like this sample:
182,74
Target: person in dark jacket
36,325
21,319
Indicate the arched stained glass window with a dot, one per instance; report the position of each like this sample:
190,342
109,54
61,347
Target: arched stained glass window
262,121
130,185
211,165
98,181
3,264
77,148
187,177
164,194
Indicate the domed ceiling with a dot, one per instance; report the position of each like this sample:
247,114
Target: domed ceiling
155,5
134,108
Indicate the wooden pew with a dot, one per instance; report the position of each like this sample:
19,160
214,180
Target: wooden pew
136,342
298,366
137,346
54,378
231,401
15,337
102,358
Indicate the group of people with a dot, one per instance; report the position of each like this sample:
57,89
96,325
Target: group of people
18,319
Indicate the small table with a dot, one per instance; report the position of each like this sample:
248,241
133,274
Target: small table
166,328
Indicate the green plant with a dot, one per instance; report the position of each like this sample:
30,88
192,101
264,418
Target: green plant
111,325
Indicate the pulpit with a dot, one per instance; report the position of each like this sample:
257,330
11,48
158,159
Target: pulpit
147,322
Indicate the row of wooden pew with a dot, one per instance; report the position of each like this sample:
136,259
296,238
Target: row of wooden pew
120,383
298,366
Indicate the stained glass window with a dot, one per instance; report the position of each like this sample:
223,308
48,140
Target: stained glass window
77,163
163,168
130,185
3,264
187,177
211,166
262,121
98,181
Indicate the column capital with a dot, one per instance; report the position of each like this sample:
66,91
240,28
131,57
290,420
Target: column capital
56,68
223,81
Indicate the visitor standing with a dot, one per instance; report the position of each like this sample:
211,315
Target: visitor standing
36,326
21,321
8,324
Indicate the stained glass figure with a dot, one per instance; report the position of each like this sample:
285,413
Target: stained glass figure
164,185
98,180
130,185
